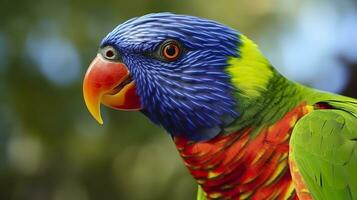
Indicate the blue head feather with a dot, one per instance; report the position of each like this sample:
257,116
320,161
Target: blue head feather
191,96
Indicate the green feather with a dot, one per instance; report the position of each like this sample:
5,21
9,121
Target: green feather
200,194
324,145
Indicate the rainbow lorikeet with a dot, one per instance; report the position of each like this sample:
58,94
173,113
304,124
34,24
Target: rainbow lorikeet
243,130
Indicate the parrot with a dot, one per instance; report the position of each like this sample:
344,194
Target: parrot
242,129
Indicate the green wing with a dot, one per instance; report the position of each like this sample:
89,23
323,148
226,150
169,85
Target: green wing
324,147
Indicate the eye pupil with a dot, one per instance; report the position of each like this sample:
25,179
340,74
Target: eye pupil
109,53
171,51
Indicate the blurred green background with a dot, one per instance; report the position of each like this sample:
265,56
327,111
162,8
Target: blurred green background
51,148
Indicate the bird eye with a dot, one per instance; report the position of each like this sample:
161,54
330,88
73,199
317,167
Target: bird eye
171,50
110,53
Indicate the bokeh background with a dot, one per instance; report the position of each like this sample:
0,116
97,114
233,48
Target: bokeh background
51,148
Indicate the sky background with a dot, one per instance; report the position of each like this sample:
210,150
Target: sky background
50,146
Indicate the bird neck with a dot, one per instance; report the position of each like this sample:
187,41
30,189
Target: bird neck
279,98
262,94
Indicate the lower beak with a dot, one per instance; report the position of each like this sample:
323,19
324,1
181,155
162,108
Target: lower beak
109,83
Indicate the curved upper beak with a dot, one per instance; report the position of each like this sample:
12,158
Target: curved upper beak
110,83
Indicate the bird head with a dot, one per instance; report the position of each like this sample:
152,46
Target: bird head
173,68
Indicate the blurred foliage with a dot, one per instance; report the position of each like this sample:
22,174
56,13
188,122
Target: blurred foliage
51,148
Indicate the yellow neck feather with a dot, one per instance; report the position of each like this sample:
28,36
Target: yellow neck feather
251,71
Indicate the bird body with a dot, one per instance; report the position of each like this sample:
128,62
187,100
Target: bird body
242,129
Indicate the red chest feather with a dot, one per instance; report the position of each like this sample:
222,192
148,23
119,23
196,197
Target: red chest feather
240,165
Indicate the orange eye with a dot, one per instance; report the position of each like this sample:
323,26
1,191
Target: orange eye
171,51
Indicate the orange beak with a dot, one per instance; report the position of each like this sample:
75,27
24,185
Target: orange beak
110,83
